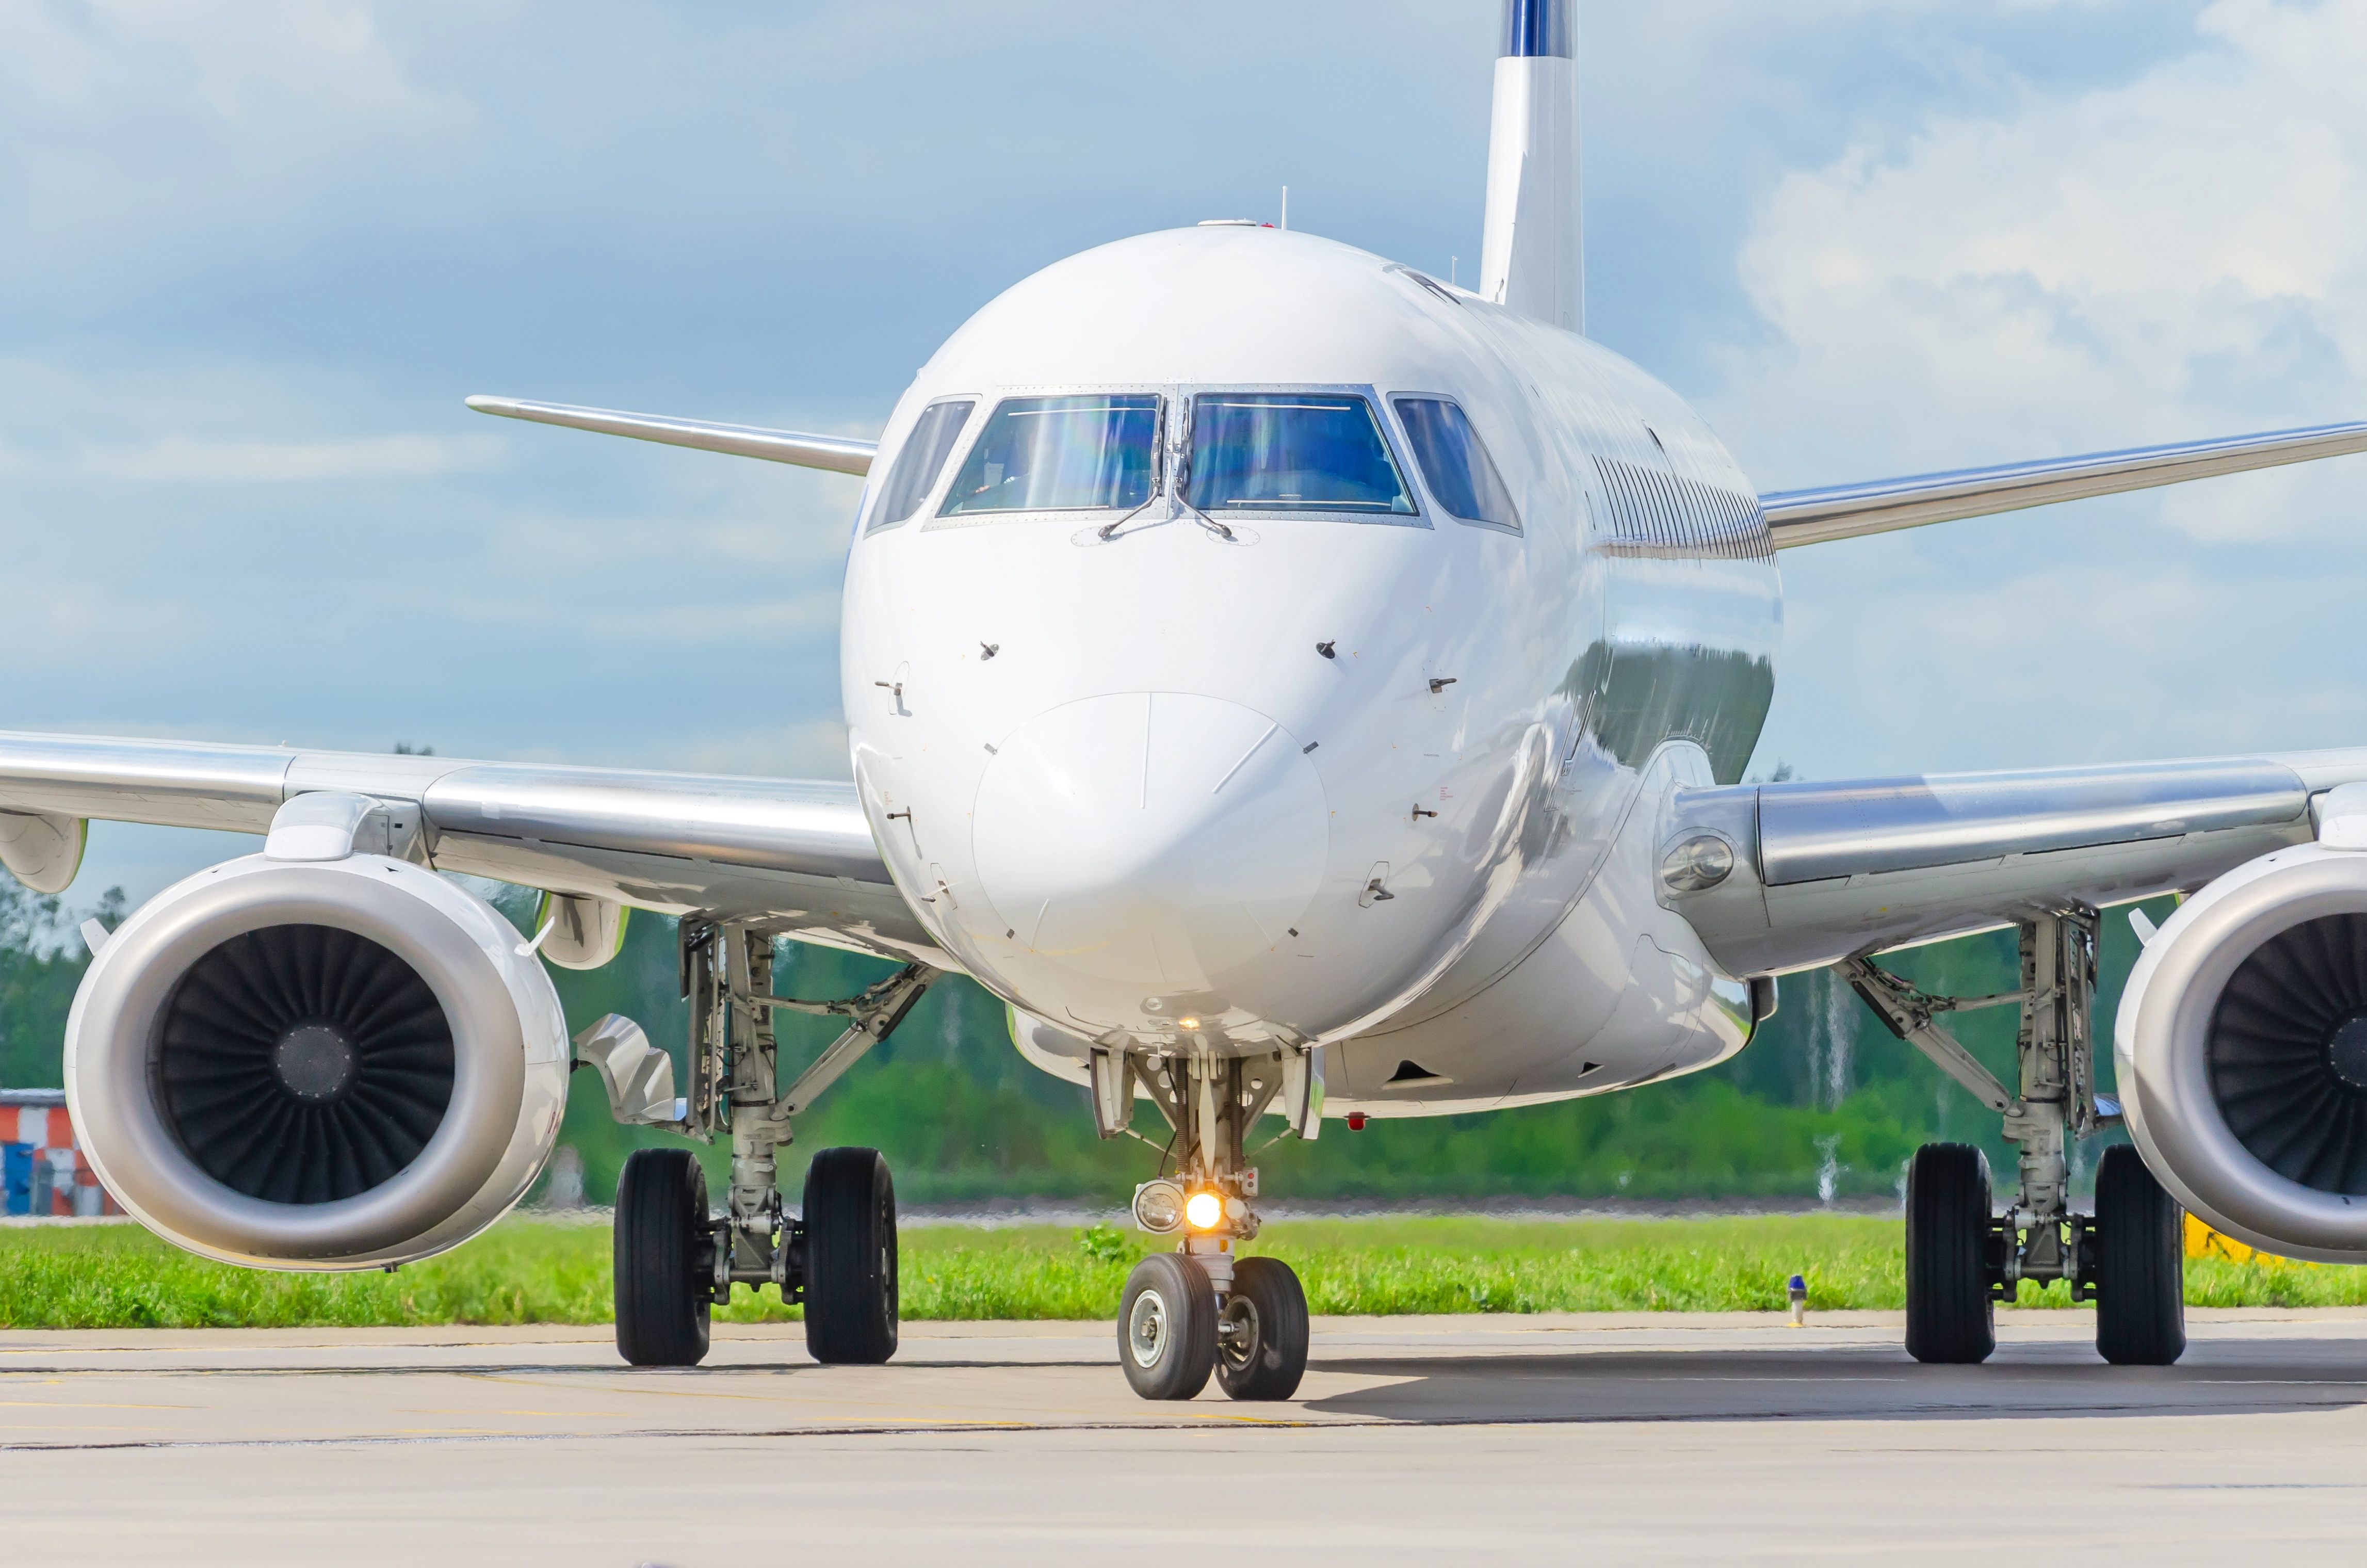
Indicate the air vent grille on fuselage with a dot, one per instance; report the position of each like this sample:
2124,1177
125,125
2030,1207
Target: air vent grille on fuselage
1656,512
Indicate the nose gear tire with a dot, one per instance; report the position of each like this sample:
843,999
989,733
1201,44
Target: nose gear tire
1951,1315
1167,1328
664,1259
2140,1265
850,1241
1266,1356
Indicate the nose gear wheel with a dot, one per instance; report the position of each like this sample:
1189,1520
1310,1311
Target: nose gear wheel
1167,1328
1262,1332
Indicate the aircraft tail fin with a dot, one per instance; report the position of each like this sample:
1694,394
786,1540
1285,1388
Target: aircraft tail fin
1531,255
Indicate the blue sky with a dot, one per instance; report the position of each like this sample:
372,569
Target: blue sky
253,252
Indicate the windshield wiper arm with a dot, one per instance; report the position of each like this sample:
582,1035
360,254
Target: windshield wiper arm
1109,531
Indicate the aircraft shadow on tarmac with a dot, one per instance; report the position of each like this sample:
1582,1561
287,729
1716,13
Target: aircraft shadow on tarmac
1851,1384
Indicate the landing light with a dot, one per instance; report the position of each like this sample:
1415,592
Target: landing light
1187,1023
1700,862
1159,1206
1203,1210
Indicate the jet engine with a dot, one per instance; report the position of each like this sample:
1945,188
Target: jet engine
318,1064
2241,1046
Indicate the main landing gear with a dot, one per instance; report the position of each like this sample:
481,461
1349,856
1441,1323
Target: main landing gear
1200,1310
1962,1258
675,1259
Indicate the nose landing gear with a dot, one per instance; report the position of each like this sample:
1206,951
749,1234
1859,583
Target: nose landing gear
1199,1309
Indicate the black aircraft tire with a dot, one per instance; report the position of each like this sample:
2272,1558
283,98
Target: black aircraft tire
1951,1317
1167,1328
850,1274
2140,1265
664,1260
1266,1359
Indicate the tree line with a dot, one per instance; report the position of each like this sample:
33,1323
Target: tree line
1826,1104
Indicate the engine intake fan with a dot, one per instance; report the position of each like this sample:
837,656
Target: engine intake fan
2288,1053
2241,1047
324,1064
304,1064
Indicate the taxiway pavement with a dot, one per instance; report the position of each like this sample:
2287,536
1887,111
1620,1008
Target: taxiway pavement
1607,1438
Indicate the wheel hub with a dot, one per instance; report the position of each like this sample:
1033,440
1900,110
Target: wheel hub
1146,1329
1237,1331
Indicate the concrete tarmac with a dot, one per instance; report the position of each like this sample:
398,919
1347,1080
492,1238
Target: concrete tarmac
1605,1438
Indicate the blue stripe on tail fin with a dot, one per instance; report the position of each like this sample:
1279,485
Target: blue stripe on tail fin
1536,27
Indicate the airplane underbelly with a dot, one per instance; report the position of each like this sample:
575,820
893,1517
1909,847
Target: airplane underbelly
1620,993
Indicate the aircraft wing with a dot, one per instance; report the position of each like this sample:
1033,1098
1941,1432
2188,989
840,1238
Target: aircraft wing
840,454
1845,511
1823,870
796,858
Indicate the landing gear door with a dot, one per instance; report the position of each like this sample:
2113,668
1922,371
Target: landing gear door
1302,1090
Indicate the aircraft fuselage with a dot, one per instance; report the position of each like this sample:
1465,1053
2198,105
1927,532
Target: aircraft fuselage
1374,776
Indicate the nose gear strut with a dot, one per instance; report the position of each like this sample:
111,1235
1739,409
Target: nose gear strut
1202,1309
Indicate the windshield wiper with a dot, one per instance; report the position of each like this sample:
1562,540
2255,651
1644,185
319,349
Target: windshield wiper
1109,531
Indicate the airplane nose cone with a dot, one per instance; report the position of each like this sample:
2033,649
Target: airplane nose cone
1150,841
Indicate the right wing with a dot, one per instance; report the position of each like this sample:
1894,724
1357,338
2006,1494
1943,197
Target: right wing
1821,871
1845,511
794,858
840,454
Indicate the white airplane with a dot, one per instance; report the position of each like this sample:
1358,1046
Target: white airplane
1297,687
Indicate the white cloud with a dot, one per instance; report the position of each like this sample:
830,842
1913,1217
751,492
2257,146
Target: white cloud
242,58
2182,254
186,460
136,133
2131,263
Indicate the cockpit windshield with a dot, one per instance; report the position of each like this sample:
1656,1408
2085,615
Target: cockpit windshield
1292,452
1060,454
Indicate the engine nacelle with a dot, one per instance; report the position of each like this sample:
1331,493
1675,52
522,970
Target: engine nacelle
322,1065
2241,1046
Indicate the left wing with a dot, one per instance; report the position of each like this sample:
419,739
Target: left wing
1821,871
1845,511
796,858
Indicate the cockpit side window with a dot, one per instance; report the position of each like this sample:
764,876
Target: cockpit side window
1292,452
1456,462
921,461
1097,452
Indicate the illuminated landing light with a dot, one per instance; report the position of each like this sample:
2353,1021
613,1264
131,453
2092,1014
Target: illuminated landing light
1203,1211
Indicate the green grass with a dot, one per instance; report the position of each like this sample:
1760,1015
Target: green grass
529,1270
